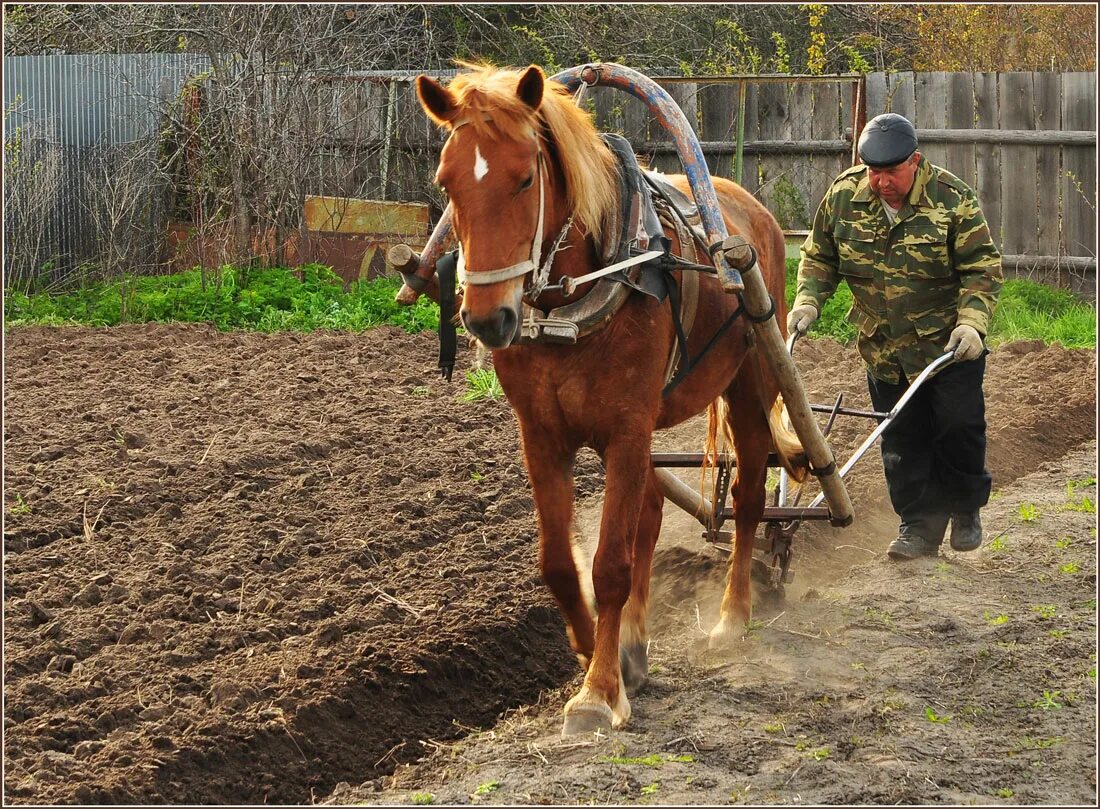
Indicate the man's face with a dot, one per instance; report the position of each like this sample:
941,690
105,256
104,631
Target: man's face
894,183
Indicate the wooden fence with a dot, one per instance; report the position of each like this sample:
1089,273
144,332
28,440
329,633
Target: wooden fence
1025,142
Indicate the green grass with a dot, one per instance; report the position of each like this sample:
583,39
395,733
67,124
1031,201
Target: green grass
311,297
482,383
1025,311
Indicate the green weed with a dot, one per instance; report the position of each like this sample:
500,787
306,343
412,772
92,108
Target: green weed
421,390
1029,743
1048,701
995,620
1070,568
482,383
1058,634
1064,543
423,798
774,727
1005,792
1045,611
820,754
484,789
1028,512
651,789
1084,504
20,507
935,718
997,545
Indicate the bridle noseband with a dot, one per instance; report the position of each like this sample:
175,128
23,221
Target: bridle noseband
540,268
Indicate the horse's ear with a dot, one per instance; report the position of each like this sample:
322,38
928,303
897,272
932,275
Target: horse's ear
438,102
530,87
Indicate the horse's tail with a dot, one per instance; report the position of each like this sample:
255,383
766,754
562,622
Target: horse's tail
788,446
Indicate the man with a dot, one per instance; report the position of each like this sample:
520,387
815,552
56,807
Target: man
914,247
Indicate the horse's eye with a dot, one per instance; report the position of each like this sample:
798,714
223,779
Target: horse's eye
527,183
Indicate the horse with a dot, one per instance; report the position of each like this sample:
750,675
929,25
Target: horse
526,172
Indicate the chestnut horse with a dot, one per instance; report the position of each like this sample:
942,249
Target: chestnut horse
520,159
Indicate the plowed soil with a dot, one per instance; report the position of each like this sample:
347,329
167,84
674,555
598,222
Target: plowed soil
246,568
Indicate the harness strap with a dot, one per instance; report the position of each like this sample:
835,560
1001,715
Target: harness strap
448,340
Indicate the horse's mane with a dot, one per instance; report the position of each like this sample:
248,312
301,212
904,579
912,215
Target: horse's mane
589,167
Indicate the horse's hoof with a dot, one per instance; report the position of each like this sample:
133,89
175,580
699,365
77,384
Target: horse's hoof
588,718
725,634
634,663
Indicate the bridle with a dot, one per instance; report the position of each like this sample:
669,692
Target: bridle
539,268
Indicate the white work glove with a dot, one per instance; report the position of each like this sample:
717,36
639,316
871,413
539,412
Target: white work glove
966,342
801,318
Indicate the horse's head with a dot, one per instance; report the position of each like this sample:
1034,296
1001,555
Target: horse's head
508,200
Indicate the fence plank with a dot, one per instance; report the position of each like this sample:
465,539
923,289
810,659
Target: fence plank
750,173
1078,179
1021,221
900,94
1047,100
799,199
825,124
877,91
961,160
773,124
719,122
987,156
930,112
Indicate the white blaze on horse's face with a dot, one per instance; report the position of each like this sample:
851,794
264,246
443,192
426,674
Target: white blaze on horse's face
495,218
481,165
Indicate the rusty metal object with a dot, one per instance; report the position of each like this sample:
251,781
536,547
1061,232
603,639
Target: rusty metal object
353,236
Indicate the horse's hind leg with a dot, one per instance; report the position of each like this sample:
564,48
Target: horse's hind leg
752,443
551,476
634,637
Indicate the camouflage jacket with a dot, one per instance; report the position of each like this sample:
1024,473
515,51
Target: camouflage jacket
912,282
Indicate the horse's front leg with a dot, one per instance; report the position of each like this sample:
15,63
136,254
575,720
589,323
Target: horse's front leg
550,471
602,703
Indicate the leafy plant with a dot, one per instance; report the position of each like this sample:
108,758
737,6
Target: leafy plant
1028,512
482,383
1048,701
651,789
484,789
1070,568
423,798
995,620
1005,792
1045,611
20,506
935,718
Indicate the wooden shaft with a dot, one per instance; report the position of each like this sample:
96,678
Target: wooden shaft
758,303
684,496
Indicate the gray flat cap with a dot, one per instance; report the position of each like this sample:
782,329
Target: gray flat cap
887,140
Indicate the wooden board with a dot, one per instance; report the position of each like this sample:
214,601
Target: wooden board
1019,180
827,123
930,112
961,160
718,115
1048,115
772,115
877,92
799,127
1078,180
900,94
988,156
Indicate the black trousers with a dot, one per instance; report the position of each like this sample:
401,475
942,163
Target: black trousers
933,453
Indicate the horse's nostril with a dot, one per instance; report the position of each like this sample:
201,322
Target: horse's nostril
507,320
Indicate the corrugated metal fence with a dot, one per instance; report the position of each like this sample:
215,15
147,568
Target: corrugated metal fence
65,117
